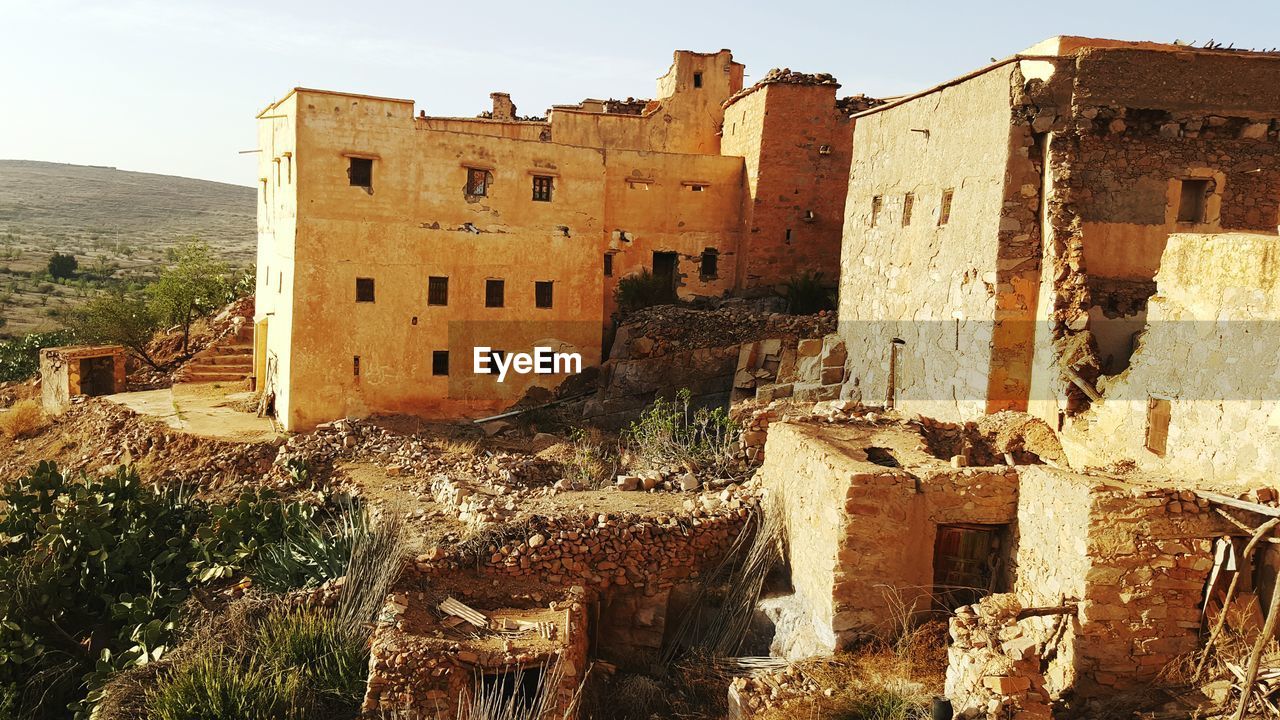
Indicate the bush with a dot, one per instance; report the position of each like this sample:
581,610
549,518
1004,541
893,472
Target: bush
330,659
591,464
118,318
642,290
806,294
20,359
210,689
674,433
94,572
62,266
24,419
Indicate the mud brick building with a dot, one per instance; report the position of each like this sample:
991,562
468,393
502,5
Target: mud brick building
391,243
1059,232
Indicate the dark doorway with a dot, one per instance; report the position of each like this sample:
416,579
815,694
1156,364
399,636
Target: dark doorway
517,689
968,563
97,376
664,266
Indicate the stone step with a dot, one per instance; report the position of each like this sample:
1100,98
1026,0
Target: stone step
237,359
199,377
245,368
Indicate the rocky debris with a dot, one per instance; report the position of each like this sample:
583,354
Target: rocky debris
993,665
764,690
755,417
114,435
811,370
855,104
630,106
668,329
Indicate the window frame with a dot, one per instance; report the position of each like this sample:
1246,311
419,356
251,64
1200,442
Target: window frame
489,285
543,188
367,163
436,357
483,174
539,286
432,281
363,283
714,256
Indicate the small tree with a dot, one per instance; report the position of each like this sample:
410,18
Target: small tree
62,266
117,318
192,286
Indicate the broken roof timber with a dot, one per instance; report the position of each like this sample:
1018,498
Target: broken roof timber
1239,504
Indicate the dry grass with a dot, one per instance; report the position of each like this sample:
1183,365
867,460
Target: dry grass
455,448
24,419
877,682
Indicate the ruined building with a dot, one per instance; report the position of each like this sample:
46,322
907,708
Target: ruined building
1085,231
391,244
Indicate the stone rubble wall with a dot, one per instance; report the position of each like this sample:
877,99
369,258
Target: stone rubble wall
993,669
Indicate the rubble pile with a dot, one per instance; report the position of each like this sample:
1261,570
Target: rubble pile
115,435
608,550
993,667
668,329
755,418
855,104
765,690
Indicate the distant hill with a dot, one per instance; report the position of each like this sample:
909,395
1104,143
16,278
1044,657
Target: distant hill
117,223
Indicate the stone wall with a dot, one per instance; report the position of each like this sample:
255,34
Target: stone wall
1210,324
861,535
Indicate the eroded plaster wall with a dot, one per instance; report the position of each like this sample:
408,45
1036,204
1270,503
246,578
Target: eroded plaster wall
930,283
277,228
1209,351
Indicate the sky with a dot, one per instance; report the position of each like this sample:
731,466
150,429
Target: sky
173,86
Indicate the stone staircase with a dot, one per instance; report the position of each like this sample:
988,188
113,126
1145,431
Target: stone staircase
230,359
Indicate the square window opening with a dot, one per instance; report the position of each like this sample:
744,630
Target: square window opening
478,182
360,172
494,293
1193,200
542,290
542,188
437,291
697,79
440,362
876,202
364,290
708,269
908,204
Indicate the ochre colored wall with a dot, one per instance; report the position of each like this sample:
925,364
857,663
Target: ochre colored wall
780,130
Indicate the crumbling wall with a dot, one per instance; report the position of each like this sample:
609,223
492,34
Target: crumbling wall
934,283
1132,559
1208,342
861,535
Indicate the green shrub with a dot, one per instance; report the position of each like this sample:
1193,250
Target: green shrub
62,266
672,432
94,570
642,290
20,359
310,552
330,659
216,687
806,294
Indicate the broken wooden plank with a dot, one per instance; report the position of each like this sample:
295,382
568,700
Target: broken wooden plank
475,617
1239,504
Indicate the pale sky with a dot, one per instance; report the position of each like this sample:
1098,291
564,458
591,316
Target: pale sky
172,86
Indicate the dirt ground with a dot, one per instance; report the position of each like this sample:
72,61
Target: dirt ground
212,410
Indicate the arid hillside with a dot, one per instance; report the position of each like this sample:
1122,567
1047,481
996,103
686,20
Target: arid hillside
117,224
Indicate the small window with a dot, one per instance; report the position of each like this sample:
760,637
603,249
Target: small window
824,149
875,210
355,366
542,293
266,276
541,188
707,270
360,172
696,187
1194,198
944,212
638,184
788,238
477,182
437,291
440,362
608,265
494,292
908,204
280,282
1158,413
697,79
364,290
